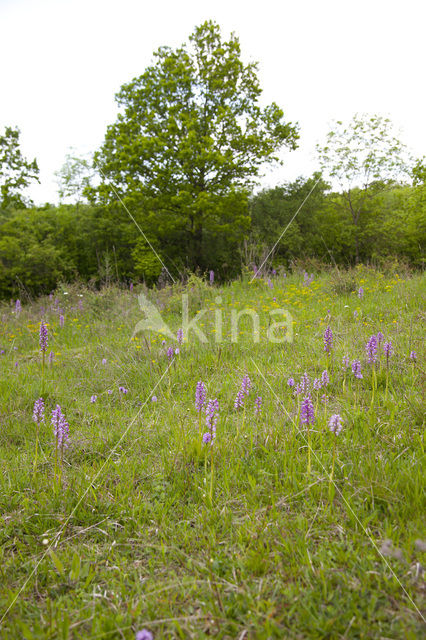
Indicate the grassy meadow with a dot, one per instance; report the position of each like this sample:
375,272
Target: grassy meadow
279,529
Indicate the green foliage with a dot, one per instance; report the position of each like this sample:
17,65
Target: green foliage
30,255
74,177
364,158
362,152
179,166
395,223
419,172
16,172
190,140
39,247
272,212
147,266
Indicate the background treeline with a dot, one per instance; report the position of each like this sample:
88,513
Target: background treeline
41,246
171,189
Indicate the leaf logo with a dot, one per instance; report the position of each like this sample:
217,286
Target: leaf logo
153,320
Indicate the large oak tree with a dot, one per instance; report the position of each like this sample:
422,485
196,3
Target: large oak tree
190,140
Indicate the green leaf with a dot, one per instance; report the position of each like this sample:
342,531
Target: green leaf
75,567
56,561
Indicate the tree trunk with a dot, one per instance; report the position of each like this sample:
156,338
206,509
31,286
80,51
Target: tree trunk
197,248
356,246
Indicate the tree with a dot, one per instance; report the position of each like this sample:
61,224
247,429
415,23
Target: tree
190,141
272,211
146,263
16,172
364,158
418,171
31,252
74,177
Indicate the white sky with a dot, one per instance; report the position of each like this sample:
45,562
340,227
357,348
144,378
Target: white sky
62,61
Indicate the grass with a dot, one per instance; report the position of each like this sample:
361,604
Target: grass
137,532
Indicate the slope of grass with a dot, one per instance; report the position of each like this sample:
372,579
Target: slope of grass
143,526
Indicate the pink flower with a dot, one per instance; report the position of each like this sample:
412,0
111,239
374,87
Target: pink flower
336,424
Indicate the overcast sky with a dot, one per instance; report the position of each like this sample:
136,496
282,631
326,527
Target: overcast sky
62,62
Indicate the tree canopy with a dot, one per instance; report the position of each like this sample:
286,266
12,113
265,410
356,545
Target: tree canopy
191,139
16,172
74,177
419,171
